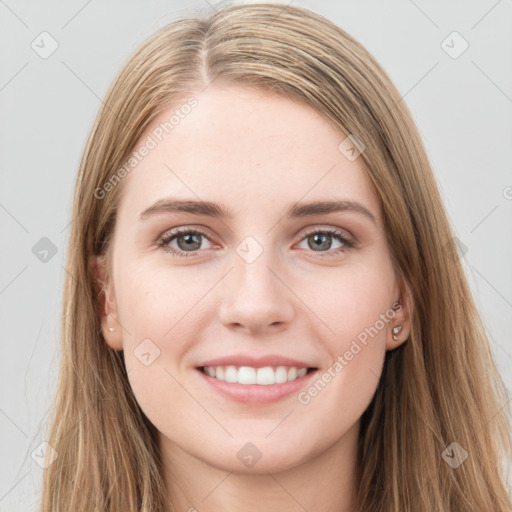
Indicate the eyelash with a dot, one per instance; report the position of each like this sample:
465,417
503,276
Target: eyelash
168,237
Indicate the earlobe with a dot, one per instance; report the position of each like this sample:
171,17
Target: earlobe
396,337
396,331
400,325
106,303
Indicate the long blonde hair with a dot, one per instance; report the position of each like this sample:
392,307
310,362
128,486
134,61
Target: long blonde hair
438,388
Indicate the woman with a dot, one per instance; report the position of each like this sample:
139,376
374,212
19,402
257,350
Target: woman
219,352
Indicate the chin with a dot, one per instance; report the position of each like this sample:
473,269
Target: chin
259,456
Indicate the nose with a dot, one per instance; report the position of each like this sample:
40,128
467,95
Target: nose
256,298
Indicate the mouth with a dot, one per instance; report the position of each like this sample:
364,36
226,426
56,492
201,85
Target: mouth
257,387
262,376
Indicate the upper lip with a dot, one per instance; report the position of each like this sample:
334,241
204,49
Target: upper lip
255,362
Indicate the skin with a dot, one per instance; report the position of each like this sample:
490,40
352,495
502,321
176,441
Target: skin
257,153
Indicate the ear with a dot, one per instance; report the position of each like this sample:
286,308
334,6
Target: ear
106,303
400,325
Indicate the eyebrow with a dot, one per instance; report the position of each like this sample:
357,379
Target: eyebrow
211,209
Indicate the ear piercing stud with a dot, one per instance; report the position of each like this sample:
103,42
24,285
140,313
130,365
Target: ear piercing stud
111,329
396,330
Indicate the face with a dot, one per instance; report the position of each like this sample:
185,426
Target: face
314,286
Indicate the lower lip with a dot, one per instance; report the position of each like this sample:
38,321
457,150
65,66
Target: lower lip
256,393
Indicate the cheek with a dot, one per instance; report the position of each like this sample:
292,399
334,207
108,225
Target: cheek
161,311
355,302
156,336
357,310
161,302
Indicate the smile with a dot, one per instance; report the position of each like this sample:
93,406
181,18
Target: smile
265,376
255,386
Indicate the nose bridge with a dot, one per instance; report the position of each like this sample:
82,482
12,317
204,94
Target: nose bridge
255,296
253,264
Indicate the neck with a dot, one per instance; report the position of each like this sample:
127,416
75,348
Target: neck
325,481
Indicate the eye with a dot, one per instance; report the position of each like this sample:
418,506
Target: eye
185,238
189,241
321,239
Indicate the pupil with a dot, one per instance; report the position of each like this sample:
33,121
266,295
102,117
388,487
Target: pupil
189,239
319,237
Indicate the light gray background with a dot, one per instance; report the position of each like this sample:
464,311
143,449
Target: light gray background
462,107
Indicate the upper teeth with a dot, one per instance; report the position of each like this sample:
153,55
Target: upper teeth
248,375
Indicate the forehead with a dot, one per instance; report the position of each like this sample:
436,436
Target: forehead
246,147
